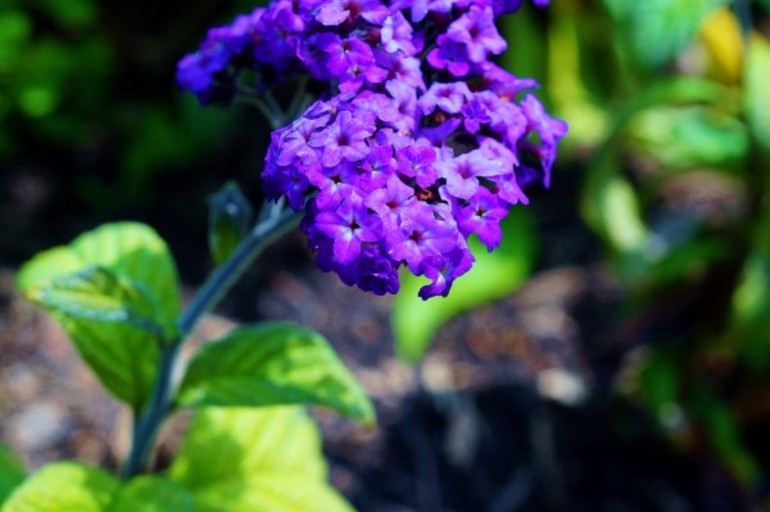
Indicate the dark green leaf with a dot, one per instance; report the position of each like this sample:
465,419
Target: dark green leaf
11,472
493,276
241,460
230,218
270,364
725,435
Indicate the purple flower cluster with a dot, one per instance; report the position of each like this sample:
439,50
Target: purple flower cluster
421,141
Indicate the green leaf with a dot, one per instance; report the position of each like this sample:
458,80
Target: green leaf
115,292
493,276
658,30
750,310
63,487
73,13
129,249
97,294
152,494
756,99
621,215
11,472
690,136
241,460
273,364
724,432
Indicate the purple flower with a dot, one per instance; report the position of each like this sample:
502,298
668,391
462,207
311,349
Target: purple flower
293,141
416,161
450,54
462,173
342,55
336,12
449,98
511,6
482,216
443,269
390,202
420,235
375,272
476,30
349,226
549,129
345,138
196,72
416,140
396,35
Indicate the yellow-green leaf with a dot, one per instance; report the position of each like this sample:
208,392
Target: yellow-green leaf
273,364
63,487
246,459
756,98
115,291
151,493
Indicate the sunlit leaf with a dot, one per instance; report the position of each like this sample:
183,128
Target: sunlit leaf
97,294
690,136
152,494
11,472
756,80
128,249
721,35
63,487
621,215
241,460
493,276
115,292
271,364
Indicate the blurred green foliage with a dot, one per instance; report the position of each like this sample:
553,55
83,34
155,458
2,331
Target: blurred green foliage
87,90
676,187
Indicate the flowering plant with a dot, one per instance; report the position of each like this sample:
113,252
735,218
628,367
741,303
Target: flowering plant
416,139
402,139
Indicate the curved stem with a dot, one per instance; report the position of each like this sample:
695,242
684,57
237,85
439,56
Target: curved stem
274,222
277,222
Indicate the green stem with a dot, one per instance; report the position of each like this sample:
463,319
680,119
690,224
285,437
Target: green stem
147,424
270,228
273,224
742,9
